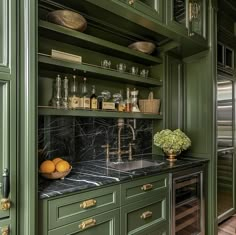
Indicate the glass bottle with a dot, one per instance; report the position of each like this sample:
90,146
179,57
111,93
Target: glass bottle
73,94
57,98
84,94
128,102
65,101
93,99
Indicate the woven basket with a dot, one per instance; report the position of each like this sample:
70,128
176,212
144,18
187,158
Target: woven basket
149,106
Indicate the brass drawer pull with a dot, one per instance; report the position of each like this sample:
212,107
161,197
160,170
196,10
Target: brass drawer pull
5,204
87,224
88,203
5,231
146,187
146,215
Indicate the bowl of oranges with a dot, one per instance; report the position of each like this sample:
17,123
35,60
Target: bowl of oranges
55,169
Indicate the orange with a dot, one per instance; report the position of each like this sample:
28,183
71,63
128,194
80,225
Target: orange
62,166
56,160
47,166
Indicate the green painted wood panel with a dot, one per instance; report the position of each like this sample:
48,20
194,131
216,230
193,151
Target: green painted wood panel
68,209
174,93
8,99
134,190
4,133
131,215
5,42
106,224
198,108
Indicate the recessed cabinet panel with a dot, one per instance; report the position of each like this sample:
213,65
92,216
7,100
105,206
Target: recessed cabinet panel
4,134
102,224
4,35
229,58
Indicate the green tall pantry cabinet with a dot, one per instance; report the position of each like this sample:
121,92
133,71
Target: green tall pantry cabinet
8,115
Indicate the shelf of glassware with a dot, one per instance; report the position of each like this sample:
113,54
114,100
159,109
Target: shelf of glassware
47,63
50,111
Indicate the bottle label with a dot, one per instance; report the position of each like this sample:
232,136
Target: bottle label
74,102
86,102
94,103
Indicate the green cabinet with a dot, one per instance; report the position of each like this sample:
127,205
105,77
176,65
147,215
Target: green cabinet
188,17
8,113
152,8
105,224
136,207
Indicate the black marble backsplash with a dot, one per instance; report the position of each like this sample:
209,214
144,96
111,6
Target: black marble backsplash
81,138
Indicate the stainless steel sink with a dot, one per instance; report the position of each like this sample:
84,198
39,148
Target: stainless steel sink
133,165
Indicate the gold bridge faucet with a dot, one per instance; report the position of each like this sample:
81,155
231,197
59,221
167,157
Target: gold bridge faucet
119,151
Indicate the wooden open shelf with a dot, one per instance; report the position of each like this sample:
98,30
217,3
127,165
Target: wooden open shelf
61,66
50,111
70,36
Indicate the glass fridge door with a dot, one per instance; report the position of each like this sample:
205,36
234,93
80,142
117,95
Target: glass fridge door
188,204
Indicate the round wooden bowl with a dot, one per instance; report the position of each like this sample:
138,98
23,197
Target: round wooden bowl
56,175
68,19
145,47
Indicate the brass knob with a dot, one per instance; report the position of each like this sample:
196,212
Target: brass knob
131,2
5,204
5,231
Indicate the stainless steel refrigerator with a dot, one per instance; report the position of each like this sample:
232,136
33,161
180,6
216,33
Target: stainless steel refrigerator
225,146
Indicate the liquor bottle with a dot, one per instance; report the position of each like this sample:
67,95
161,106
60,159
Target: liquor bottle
84,94
65,101
74,100
93,99
128,101
57,98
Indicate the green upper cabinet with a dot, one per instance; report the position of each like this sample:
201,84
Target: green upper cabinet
152,8
188,17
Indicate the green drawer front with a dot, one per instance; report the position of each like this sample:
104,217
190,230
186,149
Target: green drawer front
145,214
135,190
102,224
69,209
156,230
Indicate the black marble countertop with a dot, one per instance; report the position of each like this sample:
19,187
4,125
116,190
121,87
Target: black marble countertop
95,173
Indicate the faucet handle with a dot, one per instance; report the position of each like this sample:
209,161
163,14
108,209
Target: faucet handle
107,147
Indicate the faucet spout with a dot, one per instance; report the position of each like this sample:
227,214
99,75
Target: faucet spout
132,129
120,127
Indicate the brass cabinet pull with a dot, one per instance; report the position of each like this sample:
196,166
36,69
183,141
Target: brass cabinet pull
5,230
131,2
5,204
87,224
146,215
146,187
88,203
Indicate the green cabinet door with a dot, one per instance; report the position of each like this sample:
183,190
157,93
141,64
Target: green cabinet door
102,224
8,112
151,8
188,17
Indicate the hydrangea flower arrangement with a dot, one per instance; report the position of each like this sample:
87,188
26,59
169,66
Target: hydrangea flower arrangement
172,141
